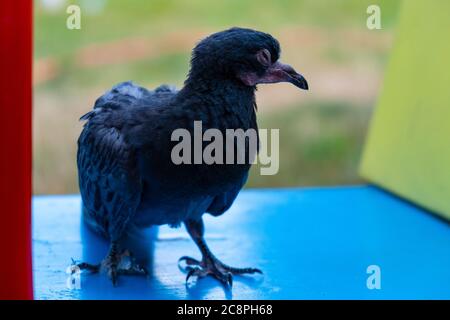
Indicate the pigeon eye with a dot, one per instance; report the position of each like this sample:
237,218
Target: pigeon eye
264,57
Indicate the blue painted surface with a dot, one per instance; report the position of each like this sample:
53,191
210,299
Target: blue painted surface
310,243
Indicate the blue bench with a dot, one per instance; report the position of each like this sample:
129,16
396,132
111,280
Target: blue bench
311,243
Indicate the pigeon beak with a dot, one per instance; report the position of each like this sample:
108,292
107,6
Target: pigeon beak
280,72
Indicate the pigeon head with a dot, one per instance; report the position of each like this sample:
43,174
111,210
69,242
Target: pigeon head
246,56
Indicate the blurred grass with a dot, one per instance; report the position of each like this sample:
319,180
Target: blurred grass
139,17
321,132
320,144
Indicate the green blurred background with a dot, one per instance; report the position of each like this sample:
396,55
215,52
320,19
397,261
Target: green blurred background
322,131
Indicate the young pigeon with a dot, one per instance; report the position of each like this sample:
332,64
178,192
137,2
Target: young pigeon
127,178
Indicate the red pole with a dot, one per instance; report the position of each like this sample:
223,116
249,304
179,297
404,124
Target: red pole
15,146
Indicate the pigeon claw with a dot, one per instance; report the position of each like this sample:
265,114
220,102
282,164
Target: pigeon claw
226,278
113,265
212,267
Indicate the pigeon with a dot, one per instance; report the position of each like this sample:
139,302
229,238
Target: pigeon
127,176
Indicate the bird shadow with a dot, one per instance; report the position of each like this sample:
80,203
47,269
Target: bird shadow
206,287
202,288
141,243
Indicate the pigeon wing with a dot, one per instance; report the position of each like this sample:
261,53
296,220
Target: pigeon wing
109,183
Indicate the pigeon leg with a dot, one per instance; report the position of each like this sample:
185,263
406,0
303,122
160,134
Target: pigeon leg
209,265
114,264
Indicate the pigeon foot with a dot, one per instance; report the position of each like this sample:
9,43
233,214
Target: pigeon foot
115,264
213,267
